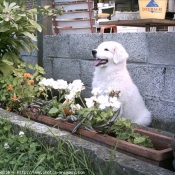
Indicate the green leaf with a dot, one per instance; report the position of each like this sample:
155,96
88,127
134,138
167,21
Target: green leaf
72,117
8,56
53,110
78,125
5,68
89,127
139,140
12,5
4,29
36,25
90,116
30,66
31,36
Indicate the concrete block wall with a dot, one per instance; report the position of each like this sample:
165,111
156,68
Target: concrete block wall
151,65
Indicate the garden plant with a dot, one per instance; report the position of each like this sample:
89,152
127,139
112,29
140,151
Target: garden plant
21,153
18,30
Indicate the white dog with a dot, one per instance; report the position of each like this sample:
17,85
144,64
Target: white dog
111,72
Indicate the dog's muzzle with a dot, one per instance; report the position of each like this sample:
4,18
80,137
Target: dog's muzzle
98,62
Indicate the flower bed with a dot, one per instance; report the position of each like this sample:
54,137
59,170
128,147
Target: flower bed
161,156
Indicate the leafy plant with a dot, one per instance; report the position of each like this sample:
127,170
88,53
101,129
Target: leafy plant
18,31
20,152
20,88
124,131
101,113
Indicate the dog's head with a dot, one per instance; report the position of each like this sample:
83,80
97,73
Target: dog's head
109,52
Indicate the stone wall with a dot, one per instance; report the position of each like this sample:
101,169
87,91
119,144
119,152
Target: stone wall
151,65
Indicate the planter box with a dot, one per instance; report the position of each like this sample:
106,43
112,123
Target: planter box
161,156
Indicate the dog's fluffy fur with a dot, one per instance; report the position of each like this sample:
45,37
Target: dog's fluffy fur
111,72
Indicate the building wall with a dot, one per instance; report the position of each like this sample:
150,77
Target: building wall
151,65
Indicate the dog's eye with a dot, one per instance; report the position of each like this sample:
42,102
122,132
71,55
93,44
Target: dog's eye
106,50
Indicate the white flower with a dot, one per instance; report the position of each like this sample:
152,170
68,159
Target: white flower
103,101
62,84
42,81
78,107
47,82
76,86
21,133
90,101
6,146
70,96
114,103
102,106
96,91
75,107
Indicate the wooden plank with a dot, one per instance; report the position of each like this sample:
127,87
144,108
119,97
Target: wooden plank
47,23
140,22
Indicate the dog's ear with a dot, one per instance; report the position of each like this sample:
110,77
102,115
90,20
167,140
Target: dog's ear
120,54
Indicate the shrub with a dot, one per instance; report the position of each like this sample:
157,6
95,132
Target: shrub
18,31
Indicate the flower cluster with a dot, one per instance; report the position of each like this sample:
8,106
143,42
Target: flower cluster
71,90
28,76
58,84
108,99
20,88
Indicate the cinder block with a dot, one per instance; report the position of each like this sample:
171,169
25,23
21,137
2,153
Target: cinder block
149,79
81,45
169,91
56,46
163,113
67,69
86,72
134,43
161,48
48,67
34,53
24,53
30,59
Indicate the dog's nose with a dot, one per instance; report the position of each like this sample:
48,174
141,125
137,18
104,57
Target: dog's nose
94,52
